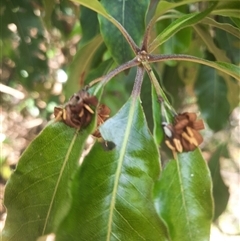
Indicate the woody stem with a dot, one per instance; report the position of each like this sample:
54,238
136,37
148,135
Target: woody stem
138,81
104,79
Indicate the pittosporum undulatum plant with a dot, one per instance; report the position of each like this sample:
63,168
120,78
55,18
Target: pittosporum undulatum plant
123,192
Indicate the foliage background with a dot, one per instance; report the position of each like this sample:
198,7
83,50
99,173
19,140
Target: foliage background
43,42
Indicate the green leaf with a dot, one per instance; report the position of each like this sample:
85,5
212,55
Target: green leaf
80,65
219,54
182,22
97,6
113,189
236,21
228,43
174,85
157,124
183,197
132,17
89,24
164,6
36,196
178,43
220,190
147,101
228,9
211,90
230,69
223,26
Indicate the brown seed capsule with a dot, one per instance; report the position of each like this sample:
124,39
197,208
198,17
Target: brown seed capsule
80,109
184,132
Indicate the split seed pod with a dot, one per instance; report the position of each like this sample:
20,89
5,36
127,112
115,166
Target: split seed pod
79,110
183,135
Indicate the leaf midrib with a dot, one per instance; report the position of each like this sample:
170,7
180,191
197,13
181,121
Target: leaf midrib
183,199
119,167
58,181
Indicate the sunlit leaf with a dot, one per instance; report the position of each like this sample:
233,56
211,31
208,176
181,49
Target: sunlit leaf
183,197
36,195
112,191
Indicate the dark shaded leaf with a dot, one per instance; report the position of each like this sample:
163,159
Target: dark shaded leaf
117,203
211,91
89,24
132,18
173,84
228,43
178,43
36,195
183,197
220,190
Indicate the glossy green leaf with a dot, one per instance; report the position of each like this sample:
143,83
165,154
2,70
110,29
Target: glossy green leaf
182,22
80,65
220,190
183,197
36,195
132,17
211,90
112,191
